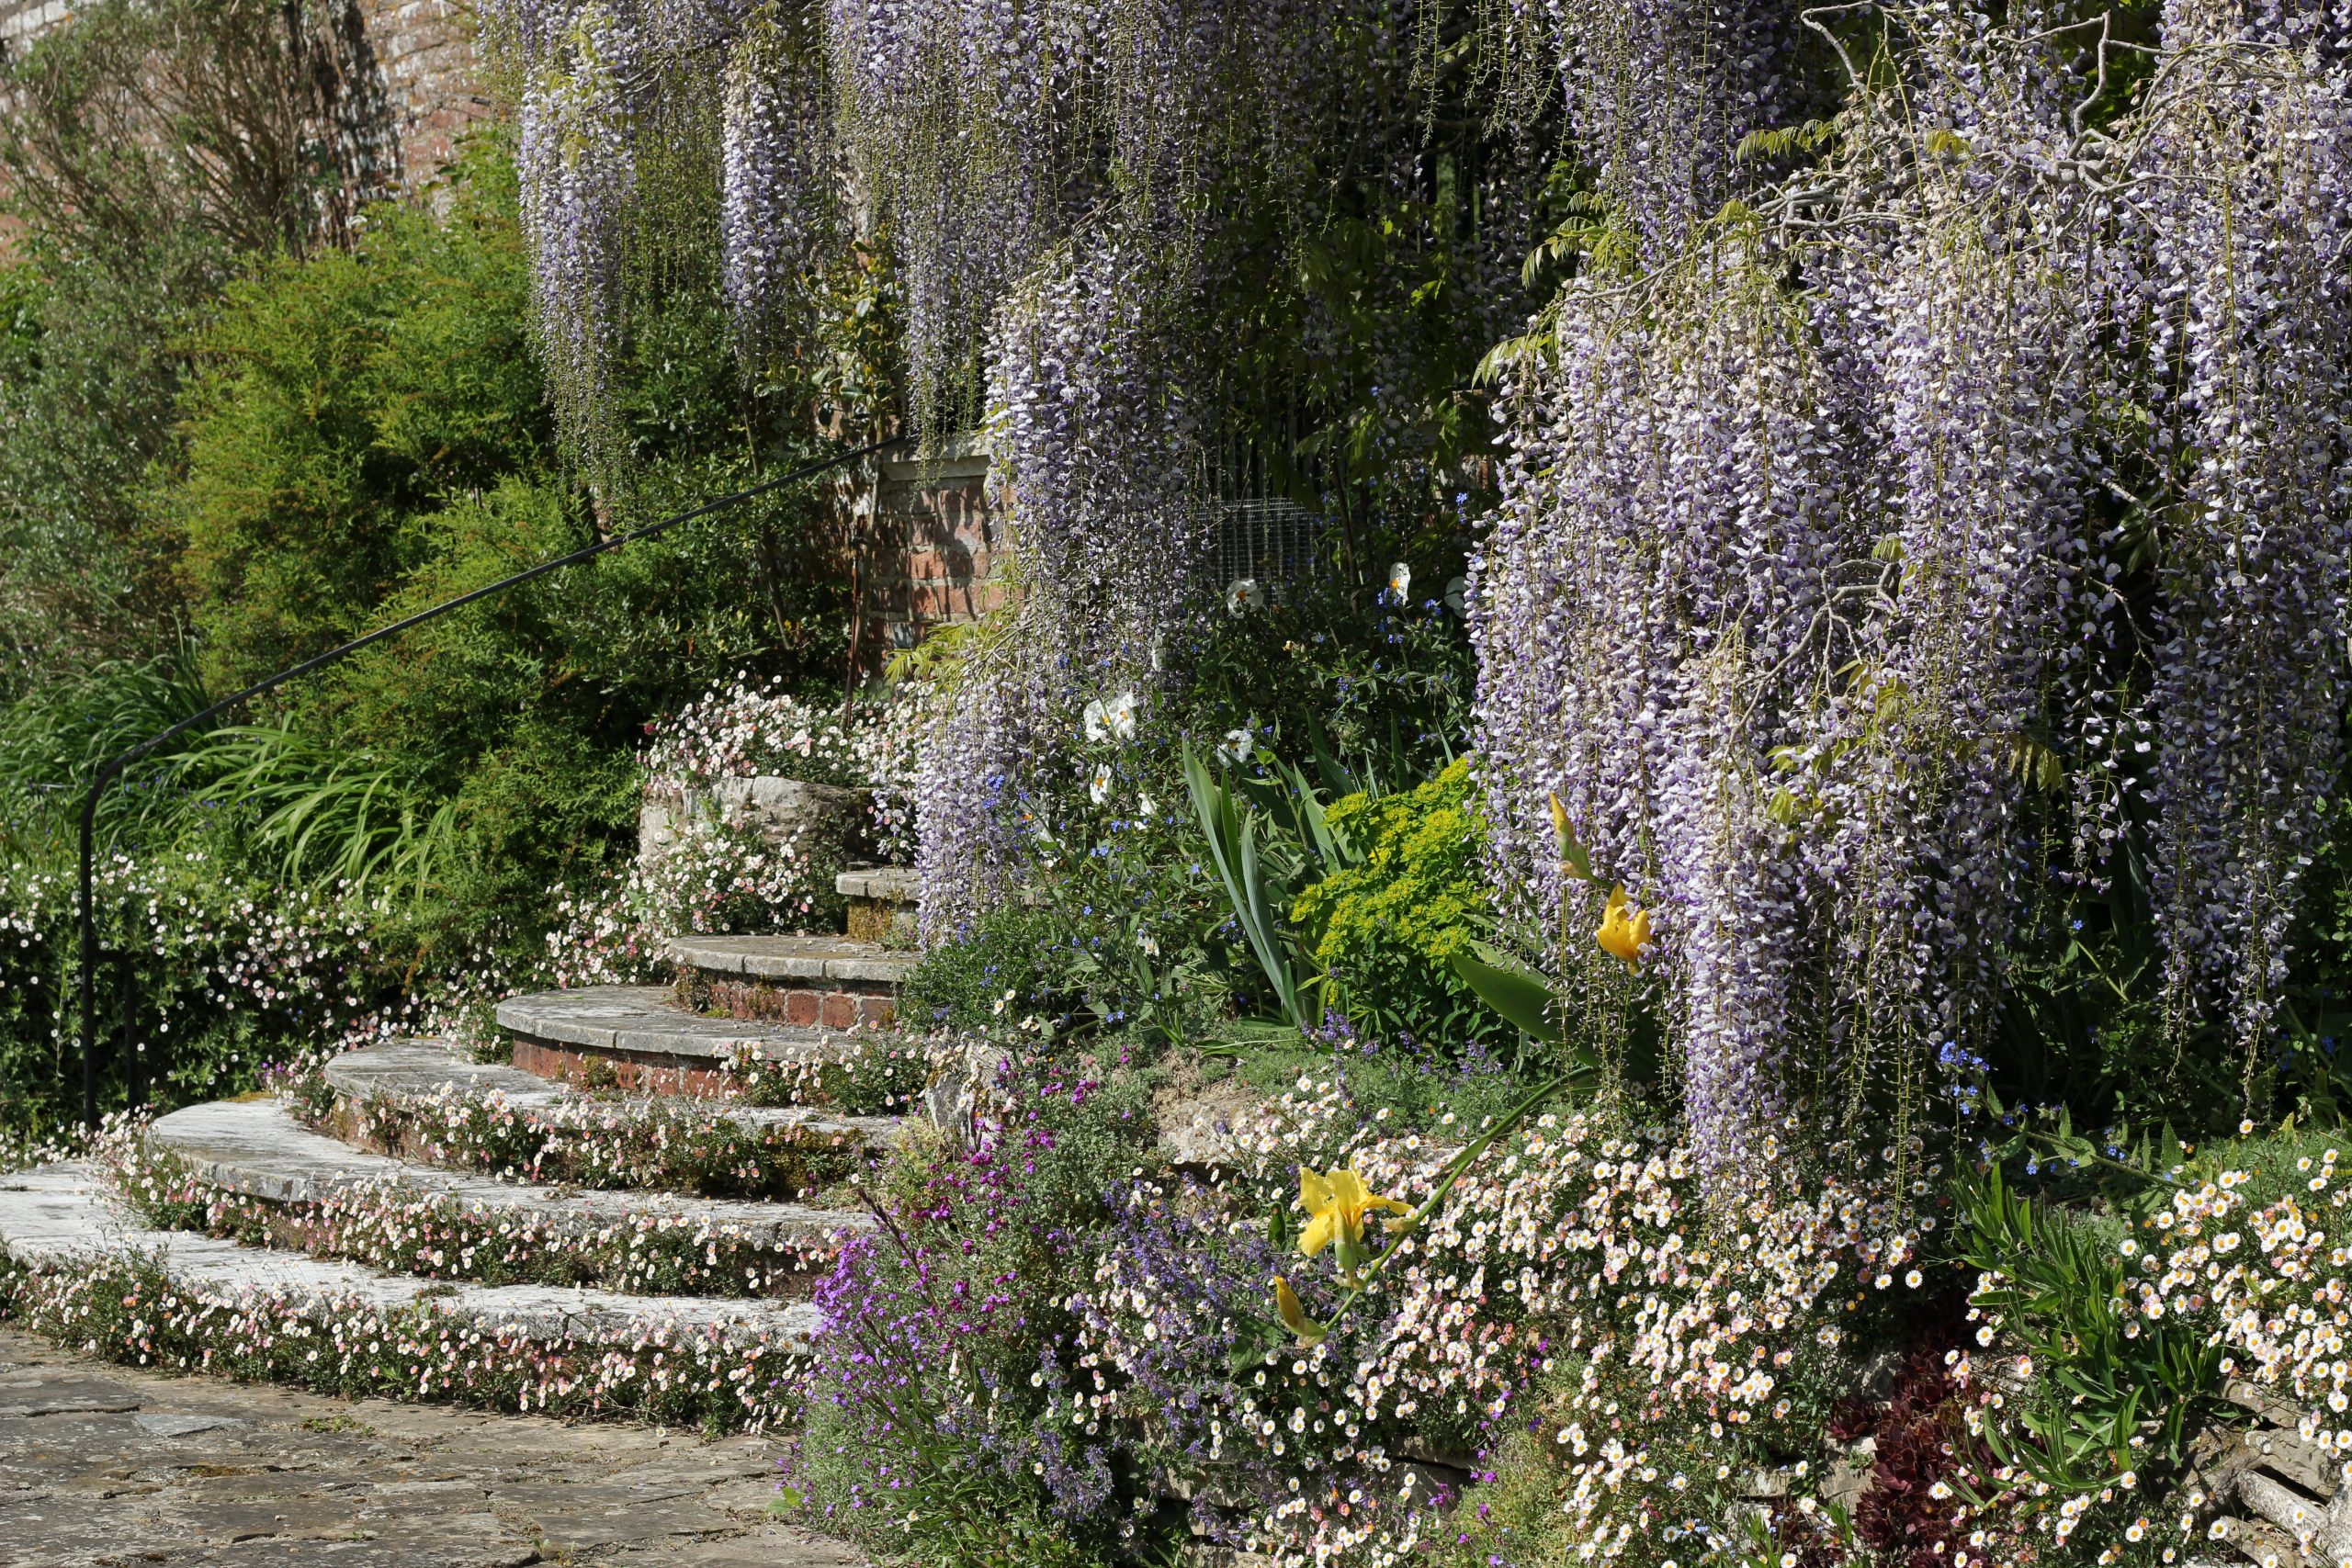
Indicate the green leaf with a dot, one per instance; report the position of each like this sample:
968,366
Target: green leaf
1520,995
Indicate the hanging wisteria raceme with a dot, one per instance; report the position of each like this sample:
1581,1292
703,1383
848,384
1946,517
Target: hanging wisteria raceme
779,173
618,103
977,792
1644,609
1658,93
959,120
1811,748
1095,443
1968,386
983,133
2244,197
578,161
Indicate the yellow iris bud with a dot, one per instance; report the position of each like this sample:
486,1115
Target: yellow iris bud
1624,929
1309,1332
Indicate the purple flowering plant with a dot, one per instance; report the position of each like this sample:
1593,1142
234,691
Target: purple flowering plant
947,1333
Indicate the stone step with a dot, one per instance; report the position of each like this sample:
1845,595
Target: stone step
639,1037
255,1149
416,1072
883,901
430,1102
61,1220
806,981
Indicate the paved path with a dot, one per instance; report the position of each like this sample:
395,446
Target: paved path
106,1467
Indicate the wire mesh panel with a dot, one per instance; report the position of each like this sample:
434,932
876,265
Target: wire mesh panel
1272,539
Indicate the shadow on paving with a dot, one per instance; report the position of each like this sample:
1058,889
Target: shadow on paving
107,1467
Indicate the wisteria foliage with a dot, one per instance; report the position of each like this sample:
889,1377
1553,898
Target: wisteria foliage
1807,578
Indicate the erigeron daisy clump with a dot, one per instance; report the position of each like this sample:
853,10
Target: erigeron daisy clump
229,975
720,1376
1579,1284
393,1225
746,730
2263,1283
638,1141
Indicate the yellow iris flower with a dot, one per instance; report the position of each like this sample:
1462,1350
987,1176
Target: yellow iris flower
1624,929
1336,1206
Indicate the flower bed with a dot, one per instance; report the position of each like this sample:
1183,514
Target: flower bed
129,1310
394,1226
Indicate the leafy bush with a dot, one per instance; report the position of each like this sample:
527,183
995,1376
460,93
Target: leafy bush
368,435
1390,922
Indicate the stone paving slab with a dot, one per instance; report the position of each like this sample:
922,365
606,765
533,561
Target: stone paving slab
643,1021
63,1217
186,1470
255,1147
403,1071
838,959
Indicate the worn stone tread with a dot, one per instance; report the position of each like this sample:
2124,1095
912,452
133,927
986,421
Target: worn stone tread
256,1149
839,960
884,884
63,1217
643,1021
417,1070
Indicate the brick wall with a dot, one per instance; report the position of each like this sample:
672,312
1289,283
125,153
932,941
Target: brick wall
932,549
420,51
21,19
424,51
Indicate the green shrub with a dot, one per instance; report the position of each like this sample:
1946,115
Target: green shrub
1012,966
1388,925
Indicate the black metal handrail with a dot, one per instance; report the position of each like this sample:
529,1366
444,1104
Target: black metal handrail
113,766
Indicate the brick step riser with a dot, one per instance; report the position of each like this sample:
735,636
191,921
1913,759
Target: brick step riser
639,1072
822,1004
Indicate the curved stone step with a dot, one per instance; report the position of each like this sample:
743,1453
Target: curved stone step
255,1149
430,1103
62,1219
637,1036
832,982
836,958
418,1071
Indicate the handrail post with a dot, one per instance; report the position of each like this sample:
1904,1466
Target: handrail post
88,912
